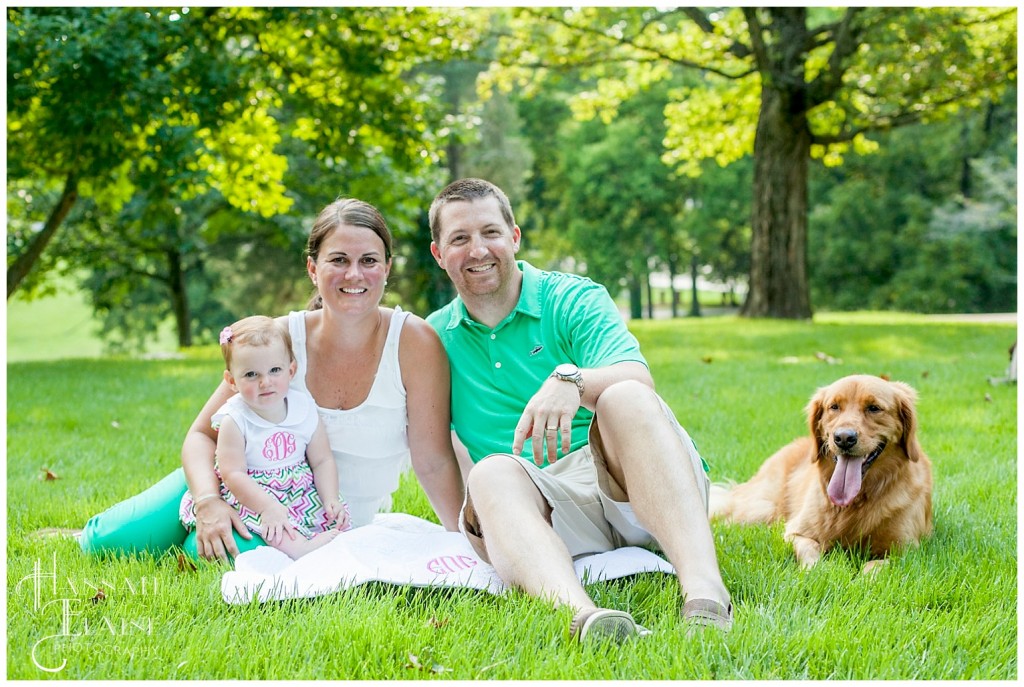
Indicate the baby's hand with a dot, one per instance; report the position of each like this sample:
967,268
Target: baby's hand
337,512
276,524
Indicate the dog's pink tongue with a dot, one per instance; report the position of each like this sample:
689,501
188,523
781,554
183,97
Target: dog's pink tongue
845,483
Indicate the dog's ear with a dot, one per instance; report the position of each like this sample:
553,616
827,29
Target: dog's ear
906,398
815,410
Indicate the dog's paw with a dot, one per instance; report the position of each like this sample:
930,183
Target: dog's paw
872,567
808,552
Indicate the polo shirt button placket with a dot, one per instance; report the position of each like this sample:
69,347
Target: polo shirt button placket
497,363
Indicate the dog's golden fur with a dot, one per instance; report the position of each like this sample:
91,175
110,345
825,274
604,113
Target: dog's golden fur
816,485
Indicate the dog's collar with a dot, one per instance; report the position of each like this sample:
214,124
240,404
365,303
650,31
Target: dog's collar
872,457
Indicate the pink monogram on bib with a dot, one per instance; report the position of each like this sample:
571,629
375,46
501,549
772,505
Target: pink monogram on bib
279,446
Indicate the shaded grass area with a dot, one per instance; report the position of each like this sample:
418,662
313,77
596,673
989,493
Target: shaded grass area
947,610
63,325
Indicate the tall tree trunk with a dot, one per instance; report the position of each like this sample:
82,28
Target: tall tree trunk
694,300
179,298
673,294
636,298
782,143
965,156
650,296
23,264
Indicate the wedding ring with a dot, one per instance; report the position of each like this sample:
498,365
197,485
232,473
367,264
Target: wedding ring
551,429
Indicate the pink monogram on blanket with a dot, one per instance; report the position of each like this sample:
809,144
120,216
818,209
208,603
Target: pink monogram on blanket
279,446
448,564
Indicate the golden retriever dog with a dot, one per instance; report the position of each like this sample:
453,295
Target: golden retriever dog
860,479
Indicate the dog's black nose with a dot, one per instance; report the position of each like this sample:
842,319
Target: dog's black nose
845,438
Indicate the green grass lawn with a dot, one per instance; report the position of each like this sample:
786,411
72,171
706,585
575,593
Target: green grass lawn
106,428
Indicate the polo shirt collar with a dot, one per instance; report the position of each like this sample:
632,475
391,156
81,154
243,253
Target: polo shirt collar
528,304
529,297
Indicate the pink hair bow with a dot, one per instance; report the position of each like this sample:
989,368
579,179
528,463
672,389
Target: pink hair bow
226,335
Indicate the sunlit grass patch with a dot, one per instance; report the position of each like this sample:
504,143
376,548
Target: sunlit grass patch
107,428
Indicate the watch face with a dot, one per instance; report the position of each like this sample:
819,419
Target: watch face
566,370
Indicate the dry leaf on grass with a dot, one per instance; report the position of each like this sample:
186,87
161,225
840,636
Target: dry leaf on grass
185,565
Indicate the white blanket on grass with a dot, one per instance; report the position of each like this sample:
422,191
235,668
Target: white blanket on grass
399,549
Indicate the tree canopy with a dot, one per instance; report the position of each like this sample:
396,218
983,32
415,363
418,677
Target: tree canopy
164,120
782,84
171,160
95,94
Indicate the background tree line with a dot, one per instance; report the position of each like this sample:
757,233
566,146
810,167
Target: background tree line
171,161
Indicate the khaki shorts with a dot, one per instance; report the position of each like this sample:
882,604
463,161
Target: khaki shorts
577,489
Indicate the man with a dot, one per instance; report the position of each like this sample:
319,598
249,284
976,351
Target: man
573,451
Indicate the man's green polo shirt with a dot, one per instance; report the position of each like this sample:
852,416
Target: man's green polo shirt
560,318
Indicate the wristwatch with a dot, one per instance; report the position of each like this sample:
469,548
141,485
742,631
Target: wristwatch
567,372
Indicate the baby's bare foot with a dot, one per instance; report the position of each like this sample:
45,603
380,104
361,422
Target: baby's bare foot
300,546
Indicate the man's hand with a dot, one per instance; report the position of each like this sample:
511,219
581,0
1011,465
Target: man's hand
215,520
546,419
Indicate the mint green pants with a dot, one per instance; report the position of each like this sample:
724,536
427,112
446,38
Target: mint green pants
148,522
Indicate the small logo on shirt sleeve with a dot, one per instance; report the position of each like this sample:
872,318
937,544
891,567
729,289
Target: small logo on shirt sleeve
536,349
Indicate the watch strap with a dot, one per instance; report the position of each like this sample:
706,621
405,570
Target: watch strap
576,379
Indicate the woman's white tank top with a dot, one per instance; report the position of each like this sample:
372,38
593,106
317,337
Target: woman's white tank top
370,442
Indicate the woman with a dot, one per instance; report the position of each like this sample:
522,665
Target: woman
380,379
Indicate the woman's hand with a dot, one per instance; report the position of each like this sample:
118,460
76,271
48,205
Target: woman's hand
276,524
215,520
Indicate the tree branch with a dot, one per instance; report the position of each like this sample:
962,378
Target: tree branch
24,263
887,123
846,37
155,276
760,50
700,19
601,57
738,48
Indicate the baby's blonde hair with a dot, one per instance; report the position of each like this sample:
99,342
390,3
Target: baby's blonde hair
258,330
